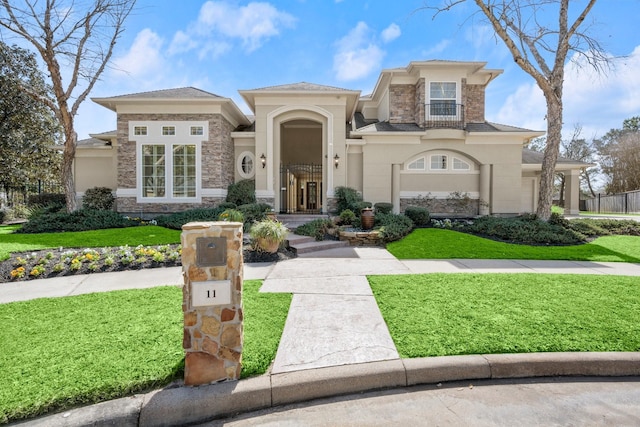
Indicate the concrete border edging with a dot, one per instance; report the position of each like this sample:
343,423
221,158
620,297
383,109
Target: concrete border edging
191,405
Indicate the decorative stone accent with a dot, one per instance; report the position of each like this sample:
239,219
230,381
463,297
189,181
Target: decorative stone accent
420,102
213,331
474,103
362,238
402,103
444,207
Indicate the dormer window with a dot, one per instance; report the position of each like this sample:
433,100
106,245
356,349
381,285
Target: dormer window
442,99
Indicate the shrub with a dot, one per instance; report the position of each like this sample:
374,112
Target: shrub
177,220
625,227
242,192
18,212
267,235
393,226
253,212
47,199
419,215
524,229
80,220
2,215
347,198
318,228
383,207
227,205
232,215
347,217
98,198
361,205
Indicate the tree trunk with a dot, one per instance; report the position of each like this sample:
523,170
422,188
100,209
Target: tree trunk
67,168
551,153
561,192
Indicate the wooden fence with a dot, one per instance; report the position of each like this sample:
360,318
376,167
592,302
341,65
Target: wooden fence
628,202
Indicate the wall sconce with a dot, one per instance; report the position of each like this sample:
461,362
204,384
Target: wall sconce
336,160
263,159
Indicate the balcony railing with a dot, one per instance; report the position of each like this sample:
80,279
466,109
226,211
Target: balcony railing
444,115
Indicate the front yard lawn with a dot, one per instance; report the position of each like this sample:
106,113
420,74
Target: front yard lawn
133,236
434,243
454,314
62,352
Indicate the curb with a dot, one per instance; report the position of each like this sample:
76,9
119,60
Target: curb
188,405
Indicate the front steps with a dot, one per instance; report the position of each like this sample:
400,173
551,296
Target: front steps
293,221
305,244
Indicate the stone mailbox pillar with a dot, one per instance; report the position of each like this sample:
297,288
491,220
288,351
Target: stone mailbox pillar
212,301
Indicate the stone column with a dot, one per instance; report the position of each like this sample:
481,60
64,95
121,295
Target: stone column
395,187
212,301
485,189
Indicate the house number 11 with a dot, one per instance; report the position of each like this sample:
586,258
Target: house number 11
211,292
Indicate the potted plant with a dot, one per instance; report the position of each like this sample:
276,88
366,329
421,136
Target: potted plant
268,235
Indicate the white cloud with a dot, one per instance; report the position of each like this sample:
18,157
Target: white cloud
181,43
357,54
391,33
253,24
144,57
437,49
598,102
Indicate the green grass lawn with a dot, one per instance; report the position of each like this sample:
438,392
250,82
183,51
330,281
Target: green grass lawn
132,236
454,314
434,243
61,352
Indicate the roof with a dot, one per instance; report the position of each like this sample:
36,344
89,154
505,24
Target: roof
368,125
301,86
177,93
530,157
92,143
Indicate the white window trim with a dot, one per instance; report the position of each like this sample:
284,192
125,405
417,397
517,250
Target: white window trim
457,99
453,162
239,165
155,137
193,127
447,159
473,170
417,159
144,129
163,127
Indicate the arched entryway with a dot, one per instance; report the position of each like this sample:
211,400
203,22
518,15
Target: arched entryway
301,166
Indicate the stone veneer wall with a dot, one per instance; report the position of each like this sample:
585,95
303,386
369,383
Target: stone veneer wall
420,101
212,335
474,97
402,103
217,167
444,207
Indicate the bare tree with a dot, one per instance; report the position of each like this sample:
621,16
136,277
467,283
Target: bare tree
540,47
75,40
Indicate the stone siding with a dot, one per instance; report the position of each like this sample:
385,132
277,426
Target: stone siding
402,103
420,101
217,168
444,207
474,98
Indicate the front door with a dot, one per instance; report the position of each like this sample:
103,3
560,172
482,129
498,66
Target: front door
301,188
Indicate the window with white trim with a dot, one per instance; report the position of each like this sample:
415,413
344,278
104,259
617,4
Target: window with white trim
460,165
438,162
442,98
416,165
196,130
168,130
153,170
246,165
184,170
139,130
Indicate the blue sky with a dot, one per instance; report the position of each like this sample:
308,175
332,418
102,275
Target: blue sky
225,46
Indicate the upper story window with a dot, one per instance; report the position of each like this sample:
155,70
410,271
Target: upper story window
139,130
196,130
168,130
442,98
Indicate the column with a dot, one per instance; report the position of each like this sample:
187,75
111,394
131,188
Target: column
395,187
572,192
485,190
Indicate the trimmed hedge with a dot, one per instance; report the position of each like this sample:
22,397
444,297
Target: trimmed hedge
419,215
98,198
393,226
80,220
178,219
383,207
242,192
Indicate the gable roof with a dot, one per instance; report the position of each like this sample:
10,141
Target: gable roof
176,93
300,86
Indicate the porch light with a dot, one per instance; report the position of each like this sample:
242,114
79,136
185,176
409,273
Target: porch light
263,159
336,160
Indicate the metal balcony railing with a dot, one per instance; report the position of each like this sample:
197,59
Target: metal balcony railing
445,115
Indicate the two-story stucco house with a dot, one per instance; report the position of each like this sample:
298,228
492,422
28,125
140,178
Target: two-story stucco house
420,136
